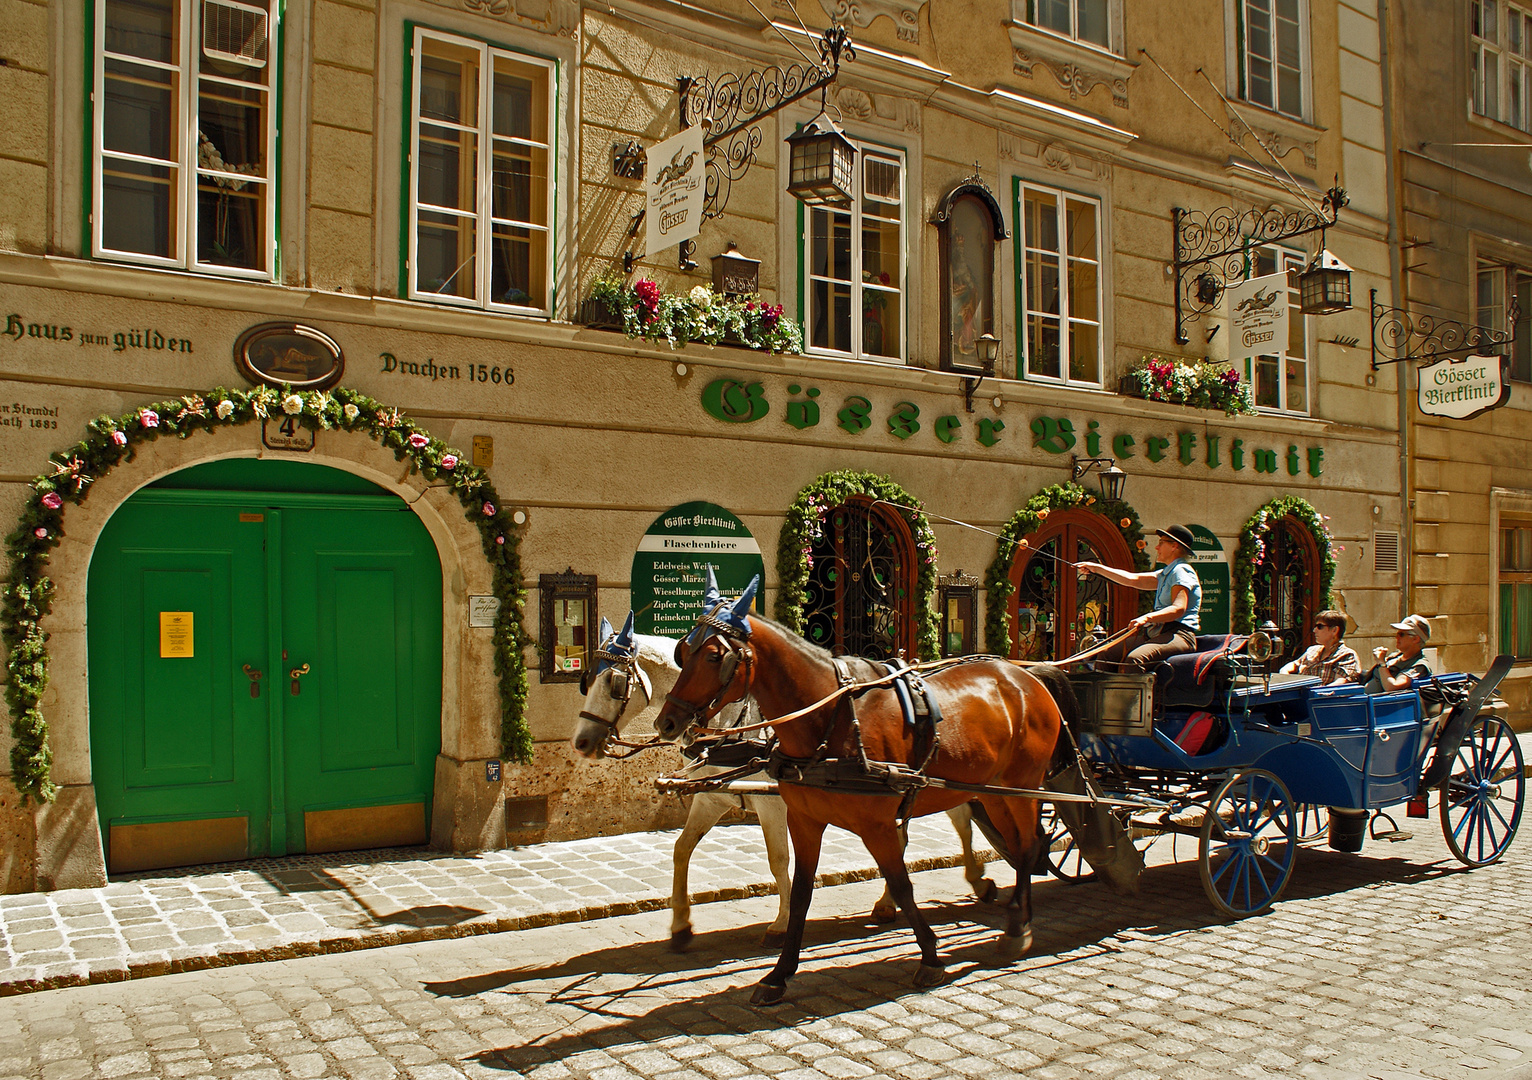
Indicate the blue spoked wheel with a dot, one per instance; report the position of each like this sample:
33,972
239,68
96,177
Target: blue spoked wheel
1482,796
1313,823
1063,857
1249,843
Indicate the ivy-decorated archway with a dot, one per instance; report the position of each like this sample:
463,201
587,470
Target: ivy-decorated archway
805,528
1026,522
111,441
1287,522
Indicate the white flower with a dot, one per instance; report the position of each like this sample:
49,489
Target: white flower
224,409
701,294
292,404
352,412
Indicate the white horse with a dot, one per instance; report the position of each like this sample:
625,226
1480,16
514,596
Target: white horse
630,663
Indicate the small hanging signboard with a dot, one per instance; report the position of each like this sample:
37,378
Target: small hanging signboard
1211,562
1463,389
1258,316
674,191
670,566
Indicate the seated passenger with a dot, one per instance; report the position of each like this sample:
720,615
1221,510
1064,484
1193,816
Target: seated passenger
1171,626
1393,671
1330,660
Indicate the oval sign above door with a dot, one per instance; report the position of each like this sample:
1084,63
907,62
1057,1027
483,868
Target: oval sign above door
289,354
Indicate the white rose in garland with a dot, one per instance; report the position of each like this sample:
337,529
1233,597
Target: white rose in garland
224,409
350,412
292,404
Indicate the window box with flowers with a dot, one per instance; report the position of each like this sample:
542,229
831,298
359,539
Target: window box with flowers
643,310
1200,386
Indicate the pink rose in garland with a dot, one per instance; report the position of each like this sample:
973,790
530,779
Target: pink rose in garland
148,418
40,532
418,441
489,509
52,501
449,461
120,438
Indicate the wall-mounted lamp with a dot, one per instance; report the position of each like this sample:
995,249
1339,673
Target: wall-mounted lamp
821,160
1110,478
988,348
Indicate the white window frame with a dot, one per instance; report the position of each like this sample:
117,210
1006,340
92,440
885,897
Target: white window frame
484,228
1241,17
863,149
1025,11
186,150
1023,341
1505,279
1508,45
1287,260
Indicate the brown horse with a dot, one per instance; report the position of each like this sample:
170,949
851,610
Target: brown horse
999,726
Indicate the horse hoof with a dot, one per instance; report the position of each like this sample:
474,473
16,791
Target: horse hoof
766,994
679,939
884,914
930,975
774,938
986,891
1014,946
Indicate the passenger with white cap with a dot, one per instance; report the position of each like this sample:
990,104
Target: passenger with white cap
1394,670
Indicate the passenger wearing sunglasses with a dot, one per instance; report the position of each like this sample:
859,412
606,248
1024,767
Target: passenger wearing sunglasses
1394,670
1329,659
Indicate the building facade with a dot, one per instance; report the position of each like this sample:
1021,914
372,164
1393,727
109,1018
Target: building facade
283,621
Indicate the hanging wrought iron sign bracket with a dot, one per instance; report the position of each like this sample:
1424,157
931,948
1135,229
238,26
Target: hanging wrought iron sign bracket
1219,241
1399,338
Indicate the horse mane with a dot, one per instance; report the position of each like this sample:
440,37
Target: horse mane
797,641
656,650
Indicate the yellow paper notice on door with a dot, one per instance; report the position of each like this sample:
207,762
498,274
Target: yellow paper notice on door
175,633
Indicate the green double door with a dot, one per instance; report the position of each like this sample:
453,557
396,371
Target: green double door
265,674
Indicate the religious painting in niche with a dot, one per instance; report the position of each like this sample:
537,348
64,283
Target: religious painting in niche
1054,609
971,226
1285,582
861,588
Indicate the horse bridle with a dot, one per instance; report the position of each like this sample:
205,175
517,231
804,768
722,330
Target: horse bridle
625,672
737,656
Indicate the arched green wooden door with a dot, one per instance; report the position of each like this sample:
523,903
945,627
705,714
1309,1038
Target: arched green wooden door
202,583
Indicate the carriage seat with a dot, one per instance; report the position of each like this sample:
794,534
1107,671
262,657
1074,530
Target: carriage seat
1192,678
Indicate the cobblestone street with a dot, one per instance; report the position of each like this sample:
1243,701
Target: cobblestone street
1387,965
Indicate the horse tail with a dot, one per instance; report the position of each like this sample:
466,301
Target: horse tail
1056,682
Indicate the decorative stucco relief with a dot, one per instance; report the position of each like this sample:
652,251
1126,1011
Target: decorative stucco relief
1278,143
561,17
1076,78
1054,156
905,13
889,110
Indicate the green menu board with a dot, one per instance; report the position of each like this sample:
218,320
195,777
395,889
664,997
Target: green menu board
670,566
1212,565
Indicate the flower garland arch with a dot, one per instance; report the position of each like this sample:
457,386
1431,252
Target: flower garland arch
112,440
1027,520
805,524
1252,549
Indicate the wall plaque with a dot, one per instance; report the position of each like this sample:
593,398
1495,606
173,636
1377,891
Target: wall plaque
289,354
1462,389
285,433
670,566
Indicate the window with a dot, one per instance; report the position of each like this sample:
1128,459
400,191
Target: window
1500,57
1515,580
1082,20
1490,311
185,134
1272,49
481,120
1280,381
856,264
1059,267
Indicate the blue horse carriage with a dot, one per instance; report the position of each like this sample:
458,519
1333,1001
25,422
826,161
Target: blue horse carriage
1252,763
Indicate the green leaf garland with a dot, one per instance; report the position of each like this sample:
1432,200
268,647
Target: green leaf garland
28,597
1026,521
804,525
1252,549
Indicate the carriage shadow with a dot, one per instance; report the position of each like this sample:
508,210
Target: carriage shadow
852,964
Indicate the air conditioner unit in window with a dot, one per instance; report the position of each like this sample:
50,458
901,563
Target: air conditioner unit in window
234,33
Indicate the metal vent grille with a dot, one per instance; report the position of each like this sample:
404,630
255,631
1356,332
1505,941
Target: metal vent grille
234,33
1385,552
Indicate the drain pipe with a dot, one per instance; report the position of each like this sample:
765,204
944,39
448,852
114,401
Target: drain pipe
1397,300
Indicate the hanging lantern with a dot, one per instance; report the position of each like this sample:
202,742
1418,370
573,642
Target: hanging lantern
1112,480
1324,287
821,160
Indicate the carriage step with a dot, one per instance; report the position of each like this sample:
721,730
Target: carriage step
1393,835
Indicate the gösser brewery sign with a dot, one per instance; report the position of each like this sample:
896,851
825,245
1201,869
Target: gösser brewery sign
670,566
1462,389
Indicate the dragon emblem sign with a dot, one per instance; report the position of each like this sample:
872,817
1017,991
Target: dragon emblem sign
675,190
1258,316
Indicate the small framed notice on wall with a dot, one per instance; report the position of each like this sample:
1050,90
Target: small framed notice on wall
175,633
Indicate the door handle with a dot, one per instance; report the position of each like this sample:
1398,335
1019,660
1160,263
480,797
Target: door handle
296,674
255,680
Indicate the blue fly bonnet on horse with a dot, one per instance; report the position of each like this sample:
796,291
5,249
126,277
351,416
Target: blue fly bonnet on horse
719,613
615,650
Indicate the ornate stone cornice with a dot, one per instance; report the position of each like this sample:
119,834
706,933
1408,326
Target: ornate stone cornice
1076,67
1279,134
861,13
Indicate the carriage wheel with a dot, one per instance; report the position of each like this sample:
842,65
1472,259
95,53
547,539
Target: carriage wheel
1313,822
1063,855
1482,796
1249,843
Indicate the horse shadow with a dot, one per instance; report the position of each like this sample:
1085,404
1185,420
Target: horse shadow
846,962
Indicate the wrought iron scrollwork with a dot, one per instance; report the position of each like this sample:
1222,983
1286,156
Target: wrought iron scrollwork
1217,243
1399,337
732,107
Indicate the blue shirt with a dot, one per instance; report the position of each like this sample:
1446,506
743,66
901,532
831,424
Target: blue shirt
1179,573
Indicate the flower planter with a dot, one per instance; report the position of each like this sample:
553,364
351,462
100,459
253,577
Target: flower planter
597,314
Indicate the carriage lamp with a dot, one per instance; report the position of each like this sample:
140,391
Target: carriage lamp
734,274
987,346
820,163
1324,287
1109,478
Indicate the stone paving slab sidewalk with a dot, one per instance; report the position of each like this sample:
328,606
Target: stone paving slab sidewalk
272,909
